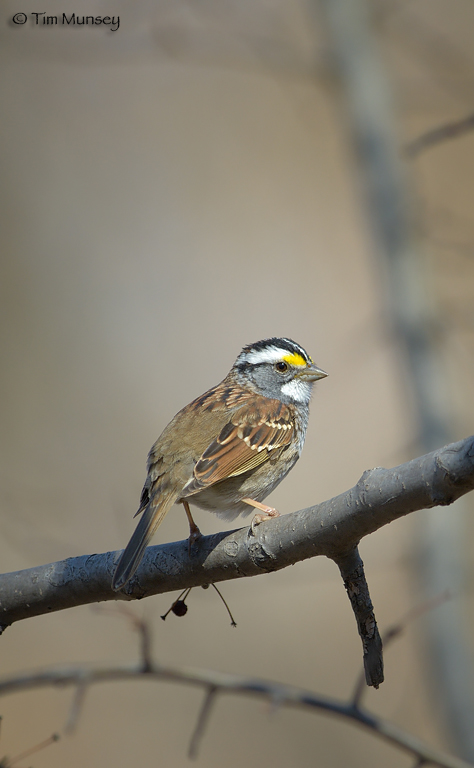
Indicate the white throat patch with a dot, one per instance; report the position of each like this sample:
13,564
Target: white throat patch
297,390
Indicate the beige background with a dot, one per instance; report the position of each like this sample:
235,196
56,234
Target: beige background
171,192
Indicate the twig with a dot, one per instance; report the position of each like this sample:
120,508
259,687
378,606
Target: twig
233,684
395,631
352,572
202,721
438,135
145,645
232,620
8,762
139,625
76,706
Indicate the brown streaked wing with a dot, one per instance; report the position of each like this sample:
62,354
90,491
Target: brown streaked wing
244,443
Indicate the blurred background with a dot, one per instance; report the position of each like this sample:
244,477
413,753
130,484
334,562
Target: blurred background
171,191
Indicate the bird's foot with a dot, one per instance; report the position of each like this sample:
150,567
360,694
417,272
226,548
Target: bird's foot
266,513
195,537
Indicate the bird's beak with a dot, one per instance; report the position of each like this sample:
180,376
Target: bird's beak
312,373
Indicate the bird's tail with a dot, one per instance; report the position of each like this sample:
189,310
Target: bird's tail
133,553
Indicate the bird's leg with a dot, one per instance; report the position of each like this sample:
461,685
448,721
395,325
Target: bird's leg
268,512
194,532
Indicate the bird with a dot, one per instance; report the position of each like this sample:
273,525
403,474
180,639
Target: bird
228,449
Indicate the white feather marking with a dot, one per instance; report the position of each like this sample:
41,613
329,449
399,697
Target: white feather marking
299,391
268,355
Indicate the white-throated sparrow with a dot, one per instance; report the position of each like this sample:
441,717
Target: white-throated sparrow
229,448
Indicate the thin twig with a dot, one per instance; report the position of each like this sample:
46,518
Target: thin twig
145,645
7,762
138,624
202,721
76,706
232,620
438,135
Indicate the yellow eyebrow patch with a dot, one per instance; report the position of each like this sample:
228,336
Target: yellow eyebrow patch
294,359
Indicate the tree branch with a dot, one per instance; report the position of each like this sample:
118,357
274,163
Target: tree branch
352,572
218,683
333,528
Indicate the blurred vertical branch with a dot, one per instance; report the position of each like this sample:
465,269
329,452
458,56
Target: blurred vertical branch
359,72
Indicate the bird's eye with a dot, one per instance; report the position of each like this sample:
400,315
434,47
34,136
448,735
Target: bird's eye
281,367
